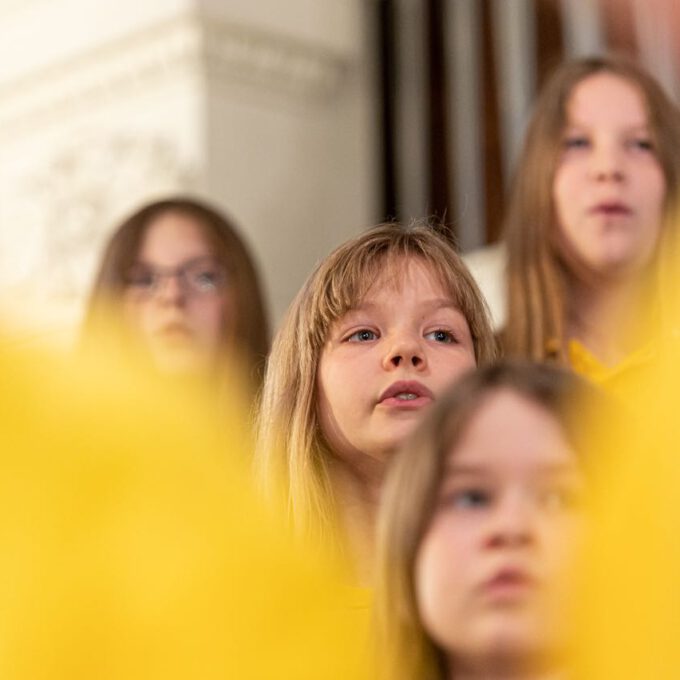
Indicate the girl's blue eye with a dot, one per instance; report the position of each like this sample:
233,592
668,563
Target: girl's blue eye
204,276
364,335
576,142
141,279
642,143
205,280
441,335
470,499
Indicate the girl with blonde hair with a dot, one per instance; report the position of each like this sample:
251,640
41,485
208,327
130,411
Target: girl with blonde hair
479,529
379,329
591,210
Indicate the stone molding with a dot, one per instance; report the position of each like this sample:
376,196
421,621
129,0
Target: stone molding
73,200
188,45
9,6
273,61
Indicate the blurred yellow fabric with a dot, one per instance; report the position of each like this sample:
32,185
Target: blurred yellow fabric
615,380
629,623
133,547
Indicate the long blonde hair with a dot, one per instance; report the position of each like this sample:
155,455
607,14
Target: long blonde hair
538,279
406,652
291,451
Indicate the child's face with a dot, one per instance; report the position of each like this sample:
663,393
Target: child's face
490,571
609,186
176,297
386,361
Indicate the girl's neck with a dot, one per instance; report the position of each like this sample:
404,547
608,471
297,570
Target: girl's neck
357,486
501,675
610,319
505,669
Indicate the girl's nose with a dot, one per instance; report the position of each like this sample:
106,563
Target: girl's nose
513,524
170,290
607,164
405,351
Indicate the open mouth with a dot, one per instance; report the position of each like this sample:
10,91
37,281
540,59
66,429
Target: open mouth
407,393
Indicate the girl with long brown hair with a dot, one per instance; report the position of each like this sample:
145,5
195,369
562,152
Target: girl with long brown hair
591,211
178,284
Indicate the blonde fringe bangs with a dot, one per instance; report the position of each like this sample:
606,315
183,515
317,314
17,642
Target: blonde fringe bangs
348,278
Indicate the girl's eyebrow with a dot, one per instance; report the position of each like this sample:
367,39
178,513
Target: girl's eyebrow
433,303
642,128
441,303
361,307
576,126
547,469
457,470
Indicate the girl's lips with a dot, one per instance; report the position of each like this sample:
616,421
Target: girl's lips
173,331
611,208
406,394
509,584
411,403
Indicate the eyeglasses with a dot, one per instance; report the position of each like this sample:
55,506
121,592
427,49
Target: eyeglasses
200,276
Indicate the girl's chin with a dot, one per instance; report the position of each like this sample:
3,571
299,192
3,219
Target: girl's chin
181,361
508,650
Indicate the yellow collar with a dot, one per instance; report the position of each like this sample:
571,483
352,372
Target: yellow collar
586,364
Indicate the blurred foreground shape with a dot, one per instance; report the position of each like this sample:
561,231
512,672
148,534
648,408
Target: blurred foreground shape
133,546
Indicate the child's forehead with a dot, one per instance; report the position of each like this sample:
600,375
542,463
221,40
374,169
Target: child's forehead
380,299
372,283
511,432
398,272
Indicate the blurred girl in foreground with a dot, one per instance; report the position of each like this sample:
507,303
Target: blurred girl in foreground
177,281
479,529
591,210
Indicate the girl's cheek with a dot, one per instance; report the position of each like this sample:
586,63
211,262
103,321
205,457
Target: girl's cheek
214,311
134,317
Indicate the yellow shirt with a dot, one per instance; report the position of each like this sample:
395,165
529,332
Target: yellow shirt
623,380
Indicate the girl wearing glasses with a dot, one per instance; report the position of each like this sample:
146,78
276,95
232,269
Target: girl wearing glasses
177,281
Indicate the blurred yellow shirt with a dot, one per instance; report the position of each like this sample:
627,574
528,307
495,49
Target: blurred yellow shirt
609,377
